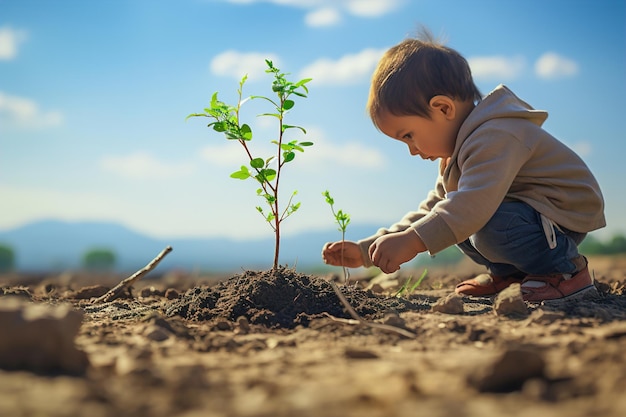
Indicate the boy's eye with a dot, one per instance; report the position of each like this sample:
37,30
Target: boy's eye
407,136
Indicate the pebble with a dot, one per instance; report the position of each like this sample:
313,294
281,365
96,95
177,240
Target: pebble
509,302
450,304
509,371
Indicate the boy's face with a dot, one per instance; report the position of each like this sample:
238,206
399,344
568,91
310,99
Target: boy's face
429,138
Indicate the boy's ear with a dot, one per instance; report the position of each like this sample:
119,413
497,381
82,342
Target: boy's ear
444,106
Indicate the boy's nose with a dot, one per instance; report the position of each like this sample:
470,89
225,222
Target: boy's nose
413,150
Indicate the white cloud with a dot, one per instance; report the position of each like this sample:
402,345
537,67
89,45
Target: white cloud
349,69
9,42
230,154
325,153
326,16
237,64
497,67
321,15
143,166
372,8
321,155
552,66
25,113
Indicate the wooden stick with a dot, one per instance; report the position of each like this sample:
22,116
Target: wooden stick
359,320
116,292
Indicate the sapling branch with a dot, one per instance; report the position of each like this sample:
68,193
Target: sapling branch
125,285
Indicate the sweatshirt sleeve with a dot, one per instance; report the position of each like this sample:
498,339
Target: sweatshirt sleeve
488,161
434,197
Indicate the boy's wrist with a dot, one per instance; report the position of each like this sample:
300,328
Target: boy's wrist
416,240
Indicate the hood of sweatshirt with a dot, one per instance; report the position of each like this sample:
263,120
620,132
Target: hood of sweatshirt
501,103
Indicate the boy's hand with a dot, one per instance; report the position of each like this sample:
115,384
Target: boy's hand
388,252
331,254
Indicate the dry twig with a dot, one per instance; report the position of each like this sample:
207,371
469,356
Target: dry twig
115,292
359,320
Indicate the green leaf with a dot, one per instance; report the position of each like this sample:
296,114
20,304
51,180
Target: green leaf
246,132
265,175
242,174
305,143
278,116
257,163
285,127
329,199
219,126
299,94
303,81
195,115
269,173
288,104
289,156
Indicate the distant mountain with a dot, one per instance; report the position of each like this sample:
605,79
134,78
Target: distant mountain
58,245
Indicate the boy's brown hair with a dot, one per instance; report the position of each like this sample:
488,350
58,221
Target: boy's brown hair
414,71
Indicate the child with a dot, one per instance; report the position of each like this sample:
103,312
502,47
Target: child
508,194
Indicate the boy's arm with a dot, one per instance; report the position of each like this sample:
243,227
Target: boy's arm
434,196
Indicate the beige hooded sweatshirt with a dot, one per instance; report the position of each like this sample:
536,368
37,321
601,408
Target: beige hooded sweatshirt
502,154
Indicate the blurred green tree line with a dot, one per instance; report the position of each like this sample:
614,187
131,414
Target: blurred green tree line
97,259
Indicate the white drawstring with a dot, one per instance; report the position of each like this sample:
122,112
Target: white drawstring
548,230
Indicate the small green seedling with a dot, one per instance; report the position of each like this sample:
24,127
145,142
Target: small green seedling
342,219
266,171
408,288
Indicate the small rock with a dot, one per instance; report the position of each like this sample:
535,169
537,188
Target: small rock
509,302
243,325
450,304
39,337
360,354
171,294
393,319
156,333
223,325
149,292
509,371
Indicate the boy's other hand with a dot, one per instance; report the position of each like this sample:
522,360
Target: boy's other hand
388,252
331,254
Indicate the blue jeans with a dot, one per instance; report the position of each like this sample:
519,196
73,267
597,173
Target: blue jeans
514,242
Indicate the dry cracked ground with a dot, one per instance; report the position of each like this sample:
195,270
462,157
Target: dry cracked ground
283,344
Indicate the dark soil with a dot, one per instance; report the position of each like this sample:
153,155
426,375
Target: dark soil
283,298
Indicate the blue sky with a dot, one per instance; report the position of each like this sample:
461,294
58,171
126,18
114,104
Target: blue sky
94,95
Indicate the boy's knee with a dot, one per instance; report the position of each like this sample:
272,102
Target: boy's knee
514,225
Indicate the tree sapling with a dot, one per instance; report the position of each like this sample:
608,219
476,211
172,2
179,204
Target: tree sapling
266,171
342,219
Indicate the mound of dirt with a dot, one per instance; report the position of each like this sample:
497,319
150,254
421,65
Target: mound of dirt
282,298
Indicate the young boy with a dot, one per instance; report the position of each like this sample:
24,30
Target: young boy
508,194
